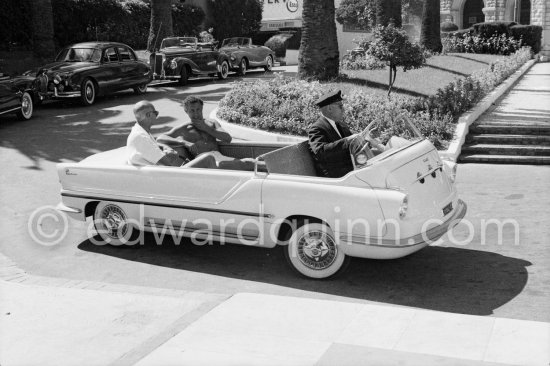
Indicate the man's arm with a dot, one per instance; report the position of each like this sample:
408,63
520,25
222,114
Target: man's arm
214,129
320,143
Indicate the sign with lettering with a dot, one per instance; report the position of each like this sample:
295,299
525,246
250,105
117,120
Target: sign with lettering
282,9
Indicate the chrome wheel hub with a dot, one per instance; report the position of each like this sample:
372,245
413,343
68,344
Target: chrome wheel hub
317,250
114,221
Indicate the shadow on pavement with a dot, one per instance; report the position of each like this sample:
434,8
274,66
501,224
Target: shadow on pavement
437,278
68,131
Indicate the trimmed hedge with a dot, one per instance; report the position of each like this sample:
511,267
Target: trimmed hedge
489,29
287,105
530,35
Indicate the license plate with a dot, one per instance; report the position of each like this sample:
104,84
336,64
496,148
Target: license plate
447,209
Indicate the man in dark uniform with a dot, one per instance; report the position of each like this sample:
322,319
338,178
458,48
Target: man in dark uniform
330,138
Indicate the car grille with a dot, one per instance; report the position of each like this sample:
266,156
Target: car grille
158,64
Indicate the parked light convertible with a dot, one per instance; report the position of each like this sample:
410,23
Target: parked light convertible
395,204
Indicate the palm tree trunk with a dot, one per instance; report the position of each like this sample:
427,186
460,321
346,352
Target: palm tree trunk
42,35
430,34
161,23
319,56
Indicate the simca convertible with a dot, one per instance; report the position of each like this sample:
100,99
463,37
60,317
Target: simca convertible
391,205
181,58
244,55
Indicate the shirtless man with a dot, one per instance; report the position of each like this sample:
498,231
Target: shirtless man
201,136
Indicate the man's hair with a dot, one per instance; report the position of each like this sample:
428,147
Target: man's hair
191,100
141,106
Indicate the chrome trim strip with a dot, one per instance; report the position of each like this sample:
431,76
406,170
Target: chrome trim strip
182,207
10,110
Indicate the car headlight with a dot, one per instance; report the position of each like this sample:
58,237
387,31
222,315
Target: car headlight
404,207
233,58
173,64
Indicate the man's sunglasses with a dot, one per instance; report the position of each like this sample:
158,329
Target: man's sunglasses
156,113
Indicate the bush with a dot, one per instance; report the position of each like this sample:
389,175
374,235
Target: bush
488,29
287,105
448,27
530,35
469,43
278,44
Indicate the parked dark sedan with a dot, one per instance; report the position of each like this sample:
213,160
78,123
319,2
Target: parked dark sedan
17,95
180,58
244,55
86,70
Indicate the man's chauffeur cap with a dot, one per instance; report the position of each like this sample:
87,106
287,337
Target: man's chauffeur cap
329,98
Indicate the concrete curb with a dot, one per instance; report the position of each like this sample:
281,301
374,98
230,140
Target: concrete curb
453,151
252,134
455,147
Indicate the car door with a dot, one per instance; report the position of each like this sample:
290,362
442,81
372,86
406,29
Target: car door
9,98
222,201
129,66
110,76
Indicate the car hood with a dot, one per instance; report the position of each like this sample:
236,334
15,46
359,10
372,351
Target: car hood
68,66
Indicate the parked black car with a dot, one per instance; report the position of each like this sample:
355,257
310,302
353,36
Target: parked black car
17,95
86,70
180,58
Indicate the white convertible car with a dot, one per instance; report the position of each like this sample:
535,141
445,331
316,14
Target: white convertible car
397,203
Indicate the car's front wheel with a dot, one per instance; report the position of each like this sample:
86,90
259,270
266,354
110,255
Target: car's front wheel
141,89
268,63
184,76
112,226
242,67
223,70
88,92
27,107
313,252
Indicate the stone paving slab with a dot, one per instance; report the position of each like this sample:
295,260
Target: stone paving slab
254,329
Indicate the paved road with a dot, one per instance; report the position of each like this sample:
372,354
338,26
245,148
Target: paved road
479,277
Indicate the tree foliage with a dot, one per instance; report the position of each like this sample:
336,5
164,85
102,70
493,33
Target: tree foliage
392,46
359,14
231,18
318,57
388,11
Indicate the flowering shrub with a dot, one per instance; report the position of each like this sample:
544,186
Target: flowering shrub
287,105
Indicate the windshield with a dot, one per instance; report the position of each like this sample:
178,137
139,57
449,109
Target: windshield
235,41
179,42
79,55
391,136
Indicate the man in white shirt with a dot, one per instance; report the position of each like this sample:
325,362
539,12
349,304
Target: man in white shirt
141,146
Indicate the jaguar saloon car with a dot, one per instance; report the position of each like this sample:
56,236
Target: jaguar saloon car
244,55
393,205
17,95
87,70
181,58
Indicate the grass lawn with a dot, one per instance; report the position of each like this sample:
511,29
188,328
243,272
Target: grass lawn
435,74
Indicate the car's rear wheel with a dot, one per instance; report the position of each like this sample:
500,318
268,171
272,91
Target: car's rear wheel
88,92
112,226
184,76
242,67
27,107
313,252
223,70
141,89
268,63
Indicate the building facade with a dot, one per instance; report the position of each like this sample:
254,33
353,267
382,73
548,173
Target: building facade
281,14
